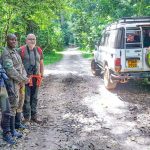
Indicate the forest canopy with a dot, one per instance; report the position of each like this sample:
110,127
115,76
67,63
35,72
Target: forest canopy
58,23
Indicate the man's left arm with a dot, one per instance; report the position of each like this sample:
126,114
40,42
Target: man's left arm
41,67
41,63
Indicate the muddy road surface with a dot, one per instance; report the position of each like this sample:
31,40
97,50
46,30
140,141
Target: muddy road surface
80,114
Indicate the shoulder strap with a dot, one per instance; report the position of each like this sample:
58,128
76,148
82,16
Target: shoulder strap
22,51
39,50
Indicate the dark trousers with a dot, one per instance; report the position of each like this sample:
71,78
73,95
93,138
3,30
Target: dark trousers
31,99
4,101
5,108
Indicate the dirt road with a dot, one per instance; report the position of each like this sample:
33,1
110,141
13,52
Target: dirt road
80,114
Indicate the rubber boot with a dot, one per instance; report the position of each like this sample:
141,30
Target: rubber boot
36,119
5,124
8,138
18,124
12,127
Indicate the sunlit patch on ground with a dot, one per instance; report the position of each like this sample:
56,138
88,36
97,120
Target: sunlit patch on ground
113,111
74,64
56,72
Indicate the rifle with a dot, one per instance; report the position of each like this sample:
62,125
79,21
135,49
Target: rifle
8,85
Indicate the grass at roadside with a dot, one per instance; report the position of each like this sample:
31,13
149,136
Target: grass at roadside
55,56
87,55
50,58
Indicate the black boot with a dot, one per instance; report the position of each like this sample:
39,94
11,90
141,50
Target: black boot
36,119
8,138
18,124
12,128
5,124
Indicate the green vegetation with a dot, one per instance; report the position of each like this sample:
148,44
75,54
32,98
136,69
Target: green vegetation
50,58
60,23
90,17
87,55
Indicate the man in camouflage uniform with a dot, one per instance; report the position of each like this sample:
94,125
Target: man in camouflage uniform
12,63
5,108
32,58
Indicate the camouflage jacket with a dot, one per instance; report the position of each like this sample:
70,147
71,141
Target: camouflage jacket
12,63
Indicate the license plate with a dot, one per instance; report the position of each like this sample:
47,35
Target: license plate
132,63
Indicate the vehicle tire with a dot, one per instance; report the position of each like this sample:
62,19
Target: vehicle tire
109,84
95,69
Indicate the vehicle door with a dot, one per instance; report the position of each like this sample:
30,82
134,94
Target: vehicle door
133,49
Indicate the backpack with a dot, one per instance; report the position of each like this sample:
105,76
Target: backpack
23,51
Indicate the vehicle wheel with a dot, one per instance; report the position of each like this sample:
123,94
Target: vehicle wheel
95,69
109,84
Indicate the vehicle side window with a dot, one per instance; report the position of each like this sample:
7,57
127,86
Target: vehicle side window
112,38
120,38
106,39
102,40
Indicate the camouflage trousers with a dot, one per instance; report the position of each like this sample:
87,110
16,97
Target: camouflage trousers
4,102
31,100
17,103
5,107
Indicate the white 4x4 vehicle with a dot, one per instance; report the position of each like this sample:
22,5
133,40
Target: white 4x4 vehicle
123,52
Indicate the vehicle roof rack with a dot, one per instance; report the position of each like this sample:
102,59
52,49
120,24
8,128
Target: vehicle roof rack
134,19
